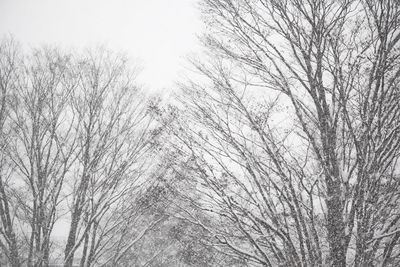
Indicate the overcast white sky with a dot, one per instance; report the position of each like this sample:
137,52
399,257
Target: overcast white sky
157,32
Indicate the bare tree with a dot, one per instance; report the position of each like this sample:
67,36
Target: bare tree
41,147
9,57
116,135
328,173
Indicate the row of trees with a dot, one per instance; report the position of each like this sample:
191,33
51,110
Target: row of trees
281,150
82,166
76,142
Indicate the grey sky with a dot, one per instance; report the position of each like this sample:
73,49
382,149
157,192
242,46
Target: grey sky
157,32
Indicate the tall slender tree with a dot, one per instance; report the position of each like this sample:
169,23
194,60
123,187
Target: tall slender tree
9,68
